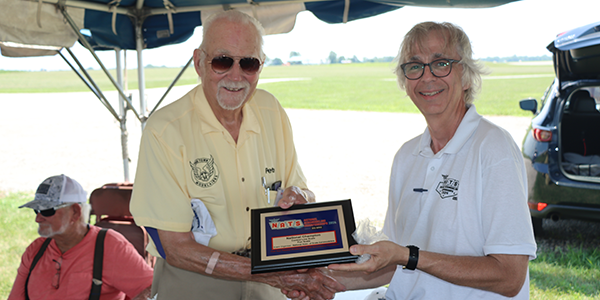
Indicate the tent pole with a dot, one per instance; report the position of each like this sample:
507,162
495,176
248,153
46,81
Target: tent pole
139,46
171,85
91,50
80,76
123,115
99,93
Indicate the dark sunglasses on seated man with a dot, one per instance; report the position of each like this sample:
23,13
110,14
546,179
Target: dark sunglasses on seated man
51,211
223,63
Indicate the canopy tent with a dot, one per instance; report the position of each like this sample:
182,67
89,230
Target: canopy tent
47,27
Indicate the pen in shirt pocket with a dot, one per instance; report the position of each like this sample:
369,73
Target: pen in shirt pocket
276,186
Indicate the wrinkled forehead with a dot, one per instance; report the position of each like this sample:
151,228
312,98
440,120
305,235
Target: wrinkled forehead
233,38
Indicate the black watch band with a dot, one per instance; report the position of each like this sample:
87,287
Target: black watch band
413,257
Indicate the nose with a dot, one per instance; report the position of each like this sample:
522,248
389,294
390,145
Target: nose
235,73
39,218
428,74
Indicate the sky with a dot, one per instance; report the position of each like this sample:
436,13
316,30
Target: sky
522,28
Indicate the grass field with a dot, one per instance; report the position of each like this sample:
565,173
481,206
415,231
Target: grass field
361,87
556,274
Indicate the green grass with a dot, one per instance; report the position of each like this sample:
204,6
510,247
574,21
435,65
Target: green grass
17,230
570,273
360,87
573,273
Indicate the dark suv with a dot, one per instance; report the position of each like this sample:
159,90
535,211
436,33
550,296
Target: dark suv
562,147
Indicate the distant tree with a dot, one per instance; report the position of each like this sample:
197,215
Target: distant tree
276,62
378,59
355,59
341,59
332,58
294,53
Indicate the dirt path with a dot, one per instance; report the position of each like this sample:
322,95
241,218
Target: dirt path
344,154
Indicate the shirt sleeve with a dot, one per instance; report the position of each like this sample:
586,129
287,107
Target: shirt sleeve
124,268
160,199
506,220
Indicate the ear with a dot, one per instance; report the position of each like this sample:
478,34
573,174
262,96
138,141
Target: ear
466,86
76,209
199,68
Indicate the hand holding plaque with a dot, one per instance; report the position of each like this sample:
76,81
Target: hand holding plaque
303,236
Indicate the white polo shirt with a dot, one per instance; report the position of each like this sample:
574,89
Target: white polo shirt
186,153
469,199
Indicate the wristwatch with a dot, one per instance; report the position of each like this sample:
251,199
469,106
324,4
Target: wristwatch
413,257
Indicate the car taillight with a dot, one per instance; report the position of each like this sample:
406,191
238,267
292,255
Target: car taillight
537,206
542,135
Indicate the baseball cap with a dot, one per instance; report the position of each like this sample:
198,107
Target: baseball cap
55,191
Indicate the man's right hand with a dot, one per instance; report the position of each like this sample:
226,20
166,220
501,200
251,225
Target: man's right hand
310,284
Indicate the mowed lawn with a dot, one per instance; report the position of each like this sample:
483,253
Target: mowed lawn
360,87
569,272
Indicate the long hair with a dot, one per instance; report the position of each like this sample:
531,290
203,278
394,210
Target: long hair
453,36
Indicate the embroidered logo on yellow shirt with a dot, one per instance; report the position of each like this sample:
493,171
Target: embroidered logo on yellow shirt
204,172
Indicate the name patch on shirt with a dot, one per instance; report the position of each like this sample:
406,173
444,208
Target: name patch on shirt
448,187
204,172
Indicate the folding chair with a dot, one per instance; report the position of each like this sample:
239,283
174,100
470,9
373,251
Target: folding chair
110,205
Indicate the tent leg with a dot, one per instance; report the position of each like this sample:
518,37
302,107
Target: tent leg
171,85
123,117
87,45
139,45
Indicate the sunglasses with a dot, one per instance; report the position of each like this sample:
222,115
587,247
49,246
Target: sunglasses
223,63
51,211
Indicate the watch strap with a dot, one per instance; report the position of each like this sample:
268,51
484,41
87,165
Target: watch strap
413,257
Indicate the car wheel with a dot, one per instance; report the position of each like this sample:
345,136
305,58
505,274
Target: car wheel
538,229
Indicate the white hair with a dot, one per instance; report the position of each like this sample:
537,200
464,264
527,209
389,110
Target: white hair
234,16
86,208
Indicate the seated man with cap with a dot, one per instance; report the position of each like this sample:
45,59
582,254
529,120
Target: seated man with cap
60,264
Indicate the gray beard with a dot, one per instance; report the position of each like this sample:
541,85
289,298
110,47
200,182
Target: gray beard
50,233
239,100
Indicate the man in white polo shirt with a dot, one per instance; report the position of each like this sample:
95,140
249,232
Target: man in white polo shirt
457,217
204,163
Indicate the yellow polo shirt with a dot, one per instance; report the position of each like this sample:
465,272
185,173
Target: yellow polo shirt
186,153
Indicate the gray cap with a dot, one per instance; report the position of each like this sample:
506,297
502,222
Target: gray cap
55,191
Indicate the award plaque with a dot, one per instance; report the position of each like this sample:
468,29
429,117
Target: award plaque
303,236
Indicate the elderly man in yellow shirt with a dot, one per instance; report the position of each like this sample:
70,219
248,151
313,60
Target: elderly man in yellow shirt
206,157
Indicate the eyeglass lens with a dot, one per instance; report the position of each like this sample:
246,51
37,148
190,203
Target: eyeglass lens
56,279
46,212
439,68
222,64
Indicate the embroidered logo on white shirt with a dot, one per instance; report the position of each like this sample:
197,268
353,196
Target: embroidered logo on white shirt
448,187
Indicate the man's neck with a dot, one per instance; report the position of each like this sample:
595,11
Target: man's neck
71,237
230,119
443,128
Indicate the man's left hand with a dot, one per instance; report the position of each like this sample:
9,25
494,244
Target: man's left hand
291,196
383,254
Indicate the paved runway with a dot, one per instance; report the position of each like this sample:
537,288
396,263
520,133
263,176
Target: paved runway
344,154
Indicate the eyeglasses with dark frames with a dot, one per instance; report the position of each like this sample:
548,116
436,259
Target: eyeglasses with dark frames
223,63
439,68
51,211
56,279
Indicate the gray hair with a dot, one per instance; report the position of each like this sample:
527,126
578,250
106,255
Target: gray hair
86,208
454,36
234,16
